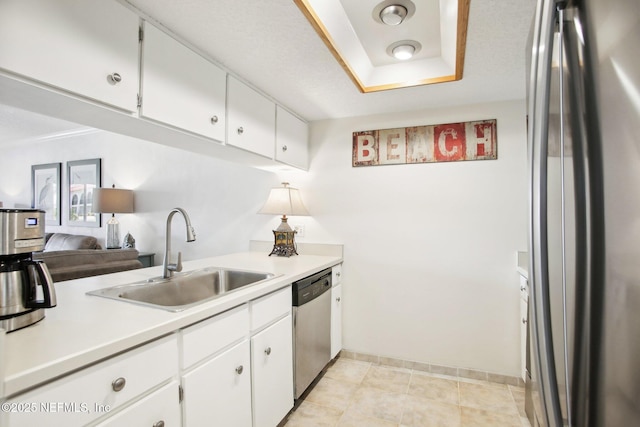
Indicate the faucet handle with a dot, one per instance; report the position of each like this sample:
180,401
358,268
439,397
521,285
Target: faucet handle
178,265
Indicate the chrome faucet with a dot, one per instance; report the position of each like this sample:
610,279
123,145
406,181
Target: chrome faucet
167,267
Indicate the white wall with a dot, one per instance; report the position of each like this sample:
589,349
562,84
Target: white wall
430,249
221,198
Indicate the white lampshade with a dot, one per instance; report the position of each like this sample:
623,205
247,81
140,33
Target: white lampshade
284,201
112,200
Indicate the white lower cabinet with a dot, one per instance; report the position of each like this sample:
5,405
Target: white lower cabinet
99,390
336,320
272,372
238,365
159,409
218,392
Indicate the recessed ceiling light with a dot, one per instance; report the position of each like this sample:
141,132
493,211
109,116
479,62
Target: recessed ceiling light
403,52
404,49
393,14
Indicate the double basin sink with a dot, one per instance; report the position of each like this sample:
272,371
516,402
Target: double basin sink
183,290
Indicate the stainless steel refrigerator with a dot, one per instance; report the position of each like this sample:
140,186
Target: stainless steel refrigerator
584,154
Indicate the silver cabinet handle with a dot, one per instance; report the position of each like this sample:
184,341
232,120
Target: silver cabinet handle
159,424
118,384
267,351
284,148
240,130
239,369
522,288
338,274
214,120
524,321
114,78
338,299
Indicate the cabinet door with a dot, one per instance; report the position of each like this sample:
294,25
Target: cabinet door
336,320
162,407
292,136
88,47
272,372
180,87
251,119
218,393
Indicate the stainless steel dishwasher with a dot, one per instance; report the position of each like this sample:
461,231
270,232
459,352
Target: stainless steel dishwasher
311,328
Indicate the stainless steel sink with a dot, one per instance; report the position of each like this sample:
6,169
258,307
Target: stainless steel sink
183,290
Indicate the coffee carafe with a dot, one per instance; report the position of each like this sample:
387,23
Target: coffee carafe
26,287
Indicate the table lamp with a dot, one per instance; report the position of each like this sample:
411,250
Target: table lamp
113,200
284,201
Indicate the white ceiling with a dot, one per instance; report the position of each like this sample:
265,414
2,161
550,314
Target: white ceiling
270,44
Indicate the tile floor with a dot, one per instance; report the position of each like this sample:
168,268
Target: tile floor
360,394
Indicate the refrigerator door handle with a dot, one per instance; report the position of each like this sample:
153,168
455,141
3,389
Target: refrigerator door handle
539,275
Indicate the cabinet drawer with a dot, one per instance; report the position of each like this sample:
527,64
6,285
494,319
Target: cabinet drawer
212,335
270,307
336,275
162,405
83,396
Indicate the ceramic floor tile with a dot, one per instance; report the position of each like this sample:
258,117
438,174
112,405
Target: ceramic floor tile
311,415
518,396
419,412
434,388
472,417
360,394
376,403
389,379
347,370
355,419
332,393
487,397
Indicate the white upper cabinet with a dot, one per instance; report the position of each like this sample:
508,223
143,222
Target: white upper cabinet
251,119
292,135
180,87
87,47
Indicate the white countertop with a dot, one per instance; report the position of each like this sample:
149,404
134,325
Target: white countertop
84,329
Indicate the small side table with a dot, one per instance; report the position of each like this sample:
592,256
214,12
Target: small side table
146,258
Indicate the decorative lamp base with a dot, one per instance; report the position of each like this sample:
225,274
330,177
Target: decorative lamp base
285,244
113,234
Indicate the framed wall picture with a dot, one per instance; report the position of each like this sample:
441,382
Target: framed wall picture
46,191
83,177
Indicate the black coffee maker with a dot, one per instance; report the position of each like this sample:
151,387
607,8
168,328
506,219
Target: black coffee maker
26,288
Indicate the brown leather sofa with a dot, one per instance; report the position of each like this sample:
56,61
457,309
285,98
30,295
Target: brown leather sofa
70,256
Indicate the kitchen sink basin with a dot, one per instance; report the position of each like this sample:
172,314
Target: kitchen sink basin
183,290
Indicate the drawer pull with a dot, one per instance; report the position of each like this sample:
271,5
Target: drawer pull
284,148
214,120
239,370
524,321
240,130
267,351
159,424
118,384
338,299
114,78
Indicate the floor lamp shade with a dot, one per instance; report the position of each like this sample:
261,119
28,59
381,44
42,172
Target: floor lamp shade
113,201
